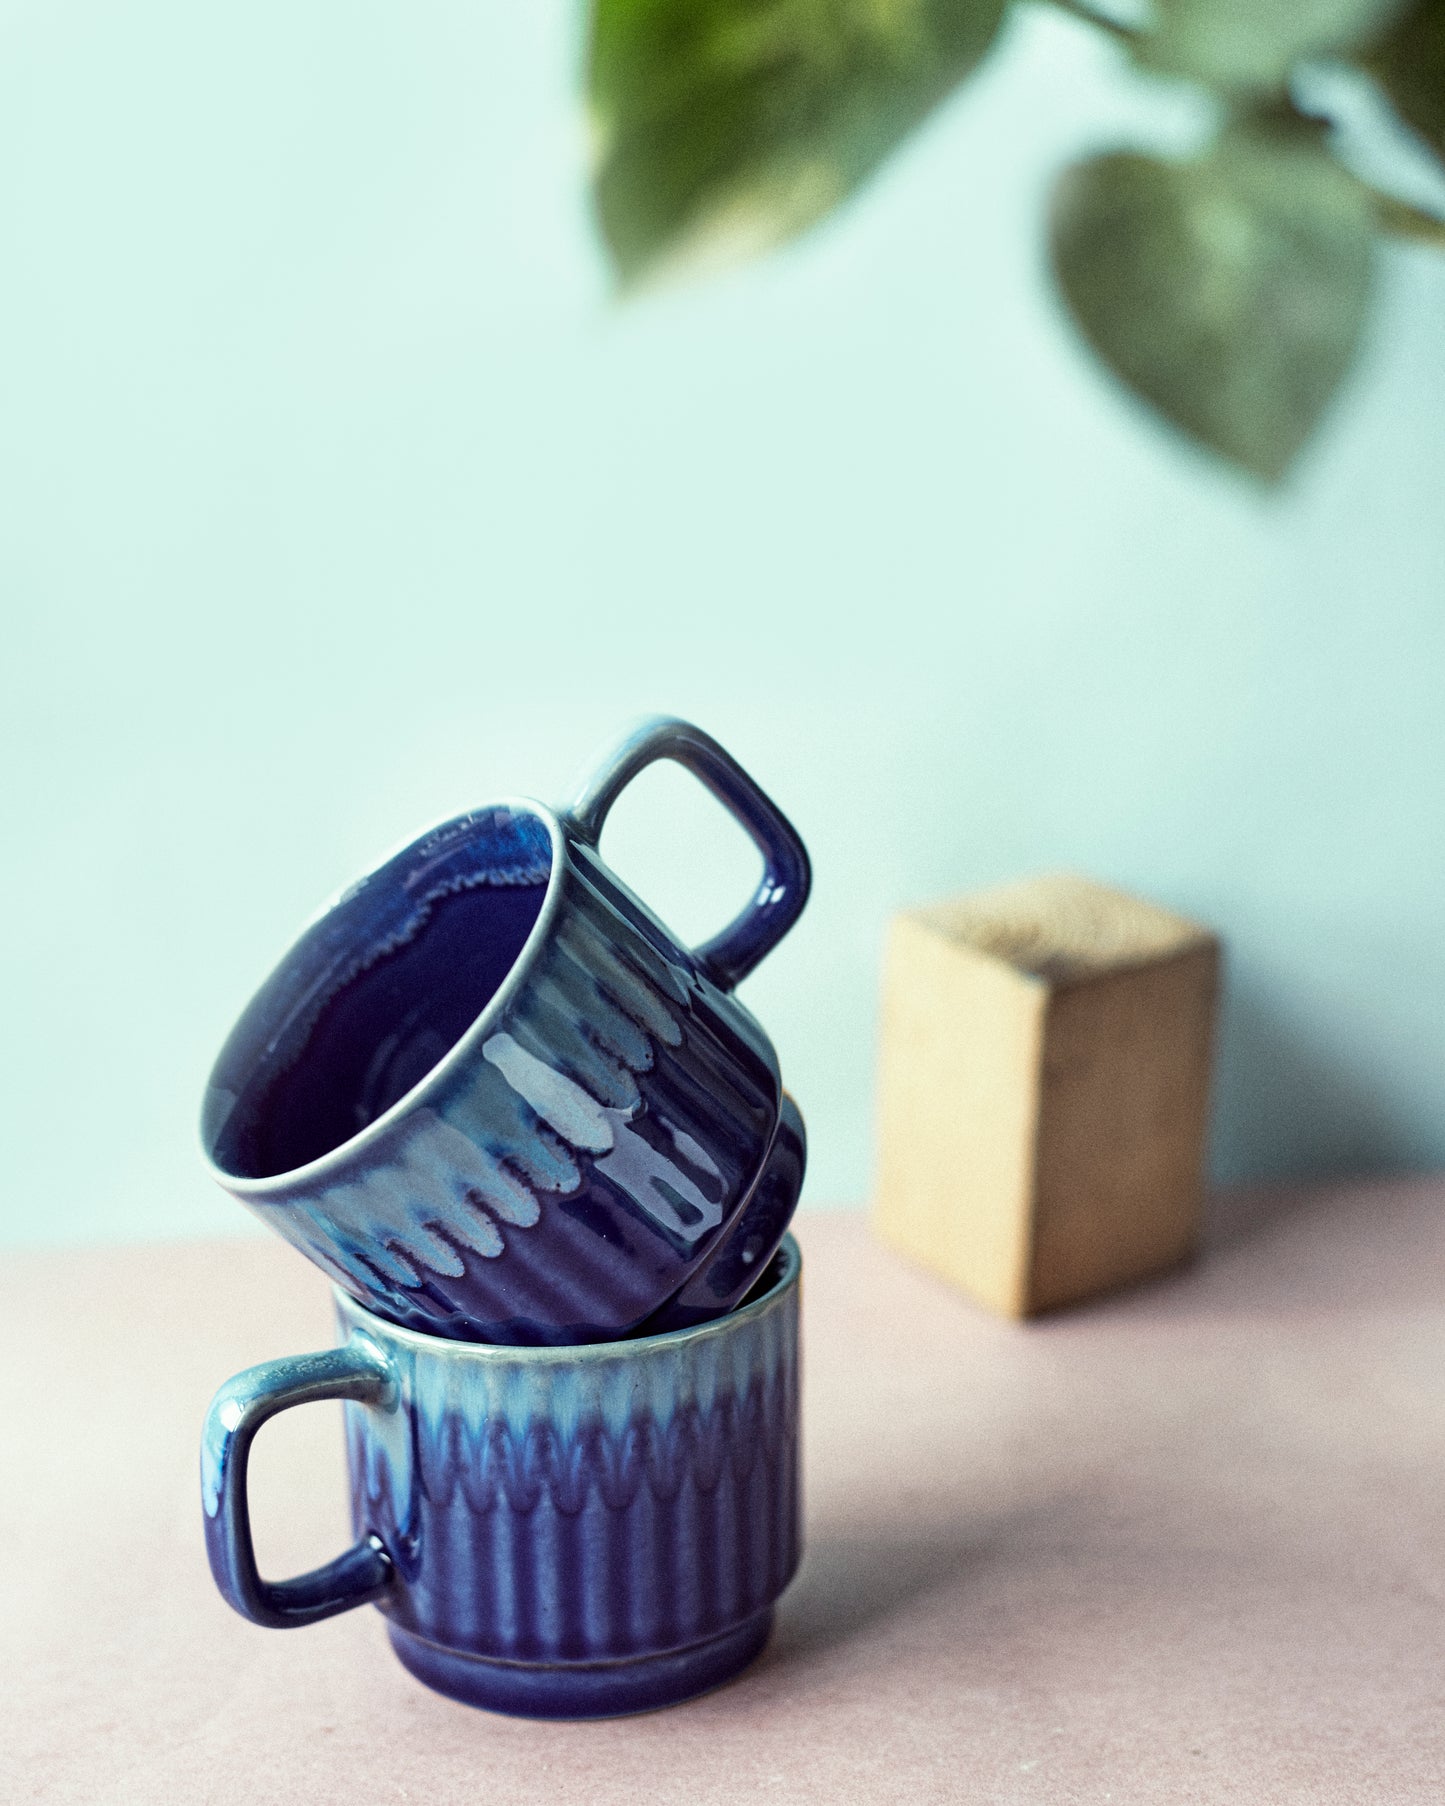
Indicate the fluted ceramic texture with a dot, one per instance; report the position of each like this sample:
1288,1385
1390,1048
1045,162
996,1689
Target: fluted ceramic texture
577,1156
731,1270
592,1504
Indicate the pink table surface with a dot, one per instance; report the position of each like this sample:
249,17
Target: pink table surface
1184,1546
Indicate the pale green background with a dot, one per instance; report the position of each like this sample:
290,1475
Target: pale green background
336,496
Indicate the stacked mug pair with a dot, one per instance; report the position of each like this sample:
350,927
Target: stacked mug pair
546,1158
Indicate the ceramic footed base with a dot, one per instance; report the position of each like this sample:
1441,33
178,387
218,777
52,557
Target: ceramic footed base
584,1689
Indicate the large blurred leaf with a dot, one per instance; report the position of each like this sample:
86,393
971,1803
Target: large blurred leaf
1229,291
1410,66
727,125
1254,43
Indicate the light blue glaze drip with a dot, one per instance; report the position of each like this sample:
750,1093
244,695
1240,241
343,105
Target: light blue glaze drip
559,1079
500,847
574,1423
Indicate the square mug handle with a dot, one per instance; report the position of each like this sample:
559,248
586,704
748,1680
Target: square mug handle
728,957
357,1371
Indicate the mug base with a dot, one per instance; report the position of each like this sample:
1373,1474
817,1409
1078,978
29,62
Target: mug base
583,1689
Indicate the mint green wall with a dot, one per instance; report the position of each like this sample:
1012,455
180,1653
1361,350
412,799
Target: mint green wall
335,496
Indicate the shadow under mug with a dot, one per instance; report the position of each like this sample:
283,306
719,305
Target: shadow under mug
552,1532
490,1094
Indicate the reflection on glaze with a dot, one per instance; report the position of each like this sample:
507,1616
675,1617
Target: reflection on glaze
620,1499
490,1094
459,1177
737,1259
377,991
559,1532
616,1111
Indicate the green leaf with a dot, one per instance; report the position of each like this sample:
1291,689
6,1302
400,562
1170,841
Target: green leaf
1229,291
1409,65
726,126
1254,44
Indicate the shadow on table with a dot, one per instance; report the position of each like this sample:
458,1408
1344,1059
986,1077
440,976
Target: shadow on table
849,1584
1237,1215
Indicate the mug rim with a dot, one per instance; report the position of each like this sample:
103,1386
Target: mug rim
553,1354
323,1165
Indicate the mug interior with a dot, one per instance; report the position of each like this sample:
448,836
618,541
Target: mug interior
377,992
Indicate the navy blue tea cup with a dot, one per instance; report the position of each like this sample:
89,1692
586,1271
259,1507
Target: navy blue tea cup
490,1094
554,1532
732,1269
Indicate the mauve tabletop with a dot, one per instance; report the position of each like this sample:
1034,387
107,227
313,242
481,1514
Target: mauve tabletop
1184,1546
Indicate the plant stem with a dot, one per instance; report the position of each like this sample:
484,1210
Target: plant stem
1080,9
1402,220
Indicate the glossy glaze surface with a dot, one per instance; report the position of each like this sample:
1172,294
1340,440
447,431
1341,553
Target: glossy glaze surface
585,1689
490,1094
742,1254
616,1520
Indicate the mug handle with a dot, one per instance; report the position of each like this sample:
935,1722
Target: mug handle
357,1371
728,957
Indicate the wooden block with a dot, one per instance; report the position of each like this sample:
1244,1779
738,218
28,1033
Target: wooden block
1043,1090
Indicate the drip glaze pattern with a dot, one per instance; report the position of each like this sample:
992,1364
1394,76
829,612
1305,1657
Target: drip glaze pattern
560,1532
491,1095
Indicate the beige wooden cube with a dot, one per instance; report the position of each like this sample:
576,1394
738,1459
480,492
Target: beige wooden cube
1043,1089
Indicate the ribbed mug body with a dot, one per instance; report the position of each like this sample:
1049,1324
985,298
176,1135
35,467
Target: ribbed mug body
576,1154
591,1529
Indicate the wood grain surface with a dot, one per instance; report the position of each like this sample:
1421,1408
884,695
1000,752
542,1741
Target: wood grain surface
1043,1090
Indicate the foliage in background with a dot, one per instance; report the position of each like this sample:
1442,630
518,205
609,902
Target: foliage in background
1228,289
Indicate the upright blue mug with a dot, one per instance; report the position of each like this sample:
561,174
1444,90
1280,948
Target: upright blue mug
490,1094
555,1532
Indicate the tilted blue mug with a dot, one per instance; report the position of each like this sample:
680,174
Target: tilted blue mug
490,1094
732,1268
555,1532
